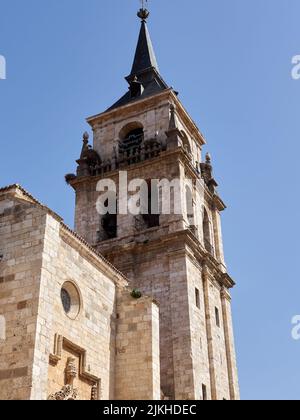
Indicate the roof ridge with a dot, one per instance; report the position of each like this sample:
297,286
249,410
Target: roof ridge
31,197
23,190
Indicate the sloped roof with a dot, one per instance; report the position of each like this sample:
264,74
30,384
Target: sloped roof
144,69
20,193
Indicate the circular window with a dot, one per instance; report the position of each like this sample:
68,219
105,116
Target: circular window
70,299
66,300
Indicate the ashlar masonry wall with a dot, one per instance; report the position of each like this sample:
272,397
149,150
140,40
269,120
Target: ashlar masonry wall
137,349
22,229
92,330
39,257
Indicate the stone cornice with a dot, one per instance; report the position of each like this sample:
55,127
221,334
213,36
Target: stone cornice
178,153
214,199
148,103
132,107
130,168
182,243
219,203
213,273
209,261
206,259
225,294
188,121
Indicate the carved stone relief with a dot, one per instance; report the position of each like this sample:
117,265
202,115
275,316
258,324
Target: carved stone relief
87,385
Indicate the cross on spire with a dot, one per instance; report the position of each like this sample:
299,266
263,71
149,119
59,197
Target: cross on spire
143,3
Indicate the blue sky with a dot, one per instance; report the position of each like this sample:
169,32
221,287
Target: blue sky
231,62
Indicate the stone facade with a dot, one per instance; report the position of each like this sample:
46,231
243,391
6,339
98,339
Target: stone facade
196,350
185,348
39,256
137,349
130,307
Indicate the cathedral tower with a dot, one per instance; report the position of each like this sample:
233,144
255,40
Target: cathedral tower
176,257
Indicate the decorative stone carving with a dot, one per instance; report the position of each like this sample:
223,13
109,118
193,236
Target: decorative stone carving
68,392
71,371
94,393
207,174
89,158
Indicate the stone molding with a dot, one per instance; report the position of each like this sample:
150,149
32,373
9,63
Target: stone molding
61,342
187,244
150,102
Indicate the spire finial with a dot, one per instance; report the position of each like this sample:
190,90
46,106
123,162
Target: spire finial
85,137
143,13
208,158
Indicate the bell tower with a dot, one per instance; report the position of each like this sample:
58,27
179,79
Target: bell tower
177,256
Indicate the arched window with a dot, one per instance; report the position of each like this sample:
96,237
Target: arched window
151,218
186,143
207,232
109,225
129,128
131,139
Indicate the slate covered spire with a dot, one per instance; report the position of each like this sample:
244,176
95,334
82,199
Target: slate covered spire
144,79
144,55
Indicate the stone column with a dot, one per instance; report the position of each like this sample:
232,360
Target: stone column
181,328
229,343
218,240
206,281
